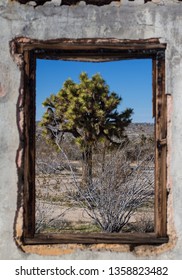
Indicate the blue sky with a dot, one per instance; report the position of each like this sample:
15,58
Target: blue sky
130,79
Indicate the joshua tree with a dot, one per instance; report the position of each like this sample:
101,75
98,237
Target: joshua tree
88,111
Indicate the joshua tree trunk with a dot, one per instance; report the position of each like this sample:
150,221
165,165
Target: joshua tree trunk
87,166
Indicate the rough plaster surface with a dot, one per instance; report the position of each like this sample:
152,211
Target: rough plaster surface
128,20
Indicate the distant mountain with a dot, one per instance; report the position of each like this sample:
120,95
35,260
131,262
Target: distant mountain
135,130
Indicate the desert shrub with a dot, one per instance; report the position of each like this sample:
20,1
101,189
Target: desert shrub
119,187
118,192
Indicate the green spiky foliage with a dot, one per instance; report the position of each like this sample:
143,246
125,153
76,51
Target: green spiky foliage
87,110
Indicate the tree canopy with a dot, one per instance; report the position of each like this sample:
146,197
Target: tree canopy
87,110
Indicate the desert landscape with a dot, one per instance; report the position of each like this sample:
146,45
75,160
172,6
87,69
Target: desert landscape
120,197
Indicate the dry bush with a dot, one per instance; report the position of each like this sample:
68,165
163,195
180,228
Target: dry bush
143,222
118,189
45,217
118,192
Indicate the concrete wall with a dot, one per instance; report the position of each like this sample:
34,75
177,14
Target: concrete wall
120,20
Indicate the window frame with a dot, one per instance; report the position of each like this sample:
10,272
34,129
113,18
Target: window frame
93,50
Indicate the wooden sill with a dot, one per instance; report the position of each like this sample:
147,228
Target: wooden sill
113,238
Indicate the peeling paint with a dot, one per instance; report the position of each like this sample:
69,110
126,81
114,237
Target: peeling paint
2,91
170,212
19,158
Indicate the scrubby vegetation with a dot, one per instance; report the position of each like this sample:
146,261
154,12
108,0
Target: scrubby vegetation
120,198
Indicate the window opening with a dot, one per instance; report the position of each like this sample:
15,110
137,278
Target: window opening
70,198
45,176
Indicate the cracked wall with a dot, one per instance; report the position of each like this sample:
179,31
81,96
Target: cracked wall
124,19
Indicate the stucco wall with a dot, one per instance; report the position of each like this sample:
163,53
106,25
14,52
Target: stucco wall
123,20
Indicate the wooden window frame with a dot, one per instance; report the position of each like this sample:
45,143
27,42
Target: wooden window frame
93,50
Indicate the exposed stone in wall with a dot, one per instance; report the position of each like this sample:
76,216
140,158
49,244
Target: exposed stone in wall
68,2
92,2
